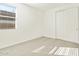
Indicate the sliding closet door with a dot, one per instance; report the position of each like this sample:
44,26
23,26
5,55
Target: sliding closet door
67,24
59,25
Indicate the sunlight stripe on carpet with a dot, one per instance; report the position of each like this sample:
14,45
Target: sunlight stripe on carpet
65,51
51,52
38,49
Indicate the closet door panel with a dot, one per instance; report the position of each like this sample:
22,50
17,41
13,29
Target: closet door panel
59,25
66,24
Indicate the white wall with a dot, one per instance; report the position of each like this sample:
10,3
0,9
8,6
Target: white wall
28,26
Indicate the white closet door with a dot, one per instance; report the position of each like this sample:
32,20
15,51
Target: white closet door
67,24
59,25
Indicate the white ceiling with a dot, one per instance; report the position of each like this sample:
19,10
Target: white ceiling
47,6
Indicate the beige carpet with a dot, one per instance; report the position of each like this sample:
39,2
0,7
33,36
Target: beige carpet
42,47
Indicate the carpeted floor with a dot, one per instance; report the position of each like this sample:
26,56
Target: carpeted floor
42,46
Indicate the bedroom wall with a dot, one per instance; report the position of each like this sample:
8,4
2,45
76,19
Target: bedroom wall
28,26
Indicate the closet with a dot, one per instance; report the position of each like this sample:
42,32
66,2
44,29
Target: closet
66,24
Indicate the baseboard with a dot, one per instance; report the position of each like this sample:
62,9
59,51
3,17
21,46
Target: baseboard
51,37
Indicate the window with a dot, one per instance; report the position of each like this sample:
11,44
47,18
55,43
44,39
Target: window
7,16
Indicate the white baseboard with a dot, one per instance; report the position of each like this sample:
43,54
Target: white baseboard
77,42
